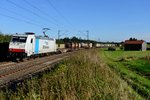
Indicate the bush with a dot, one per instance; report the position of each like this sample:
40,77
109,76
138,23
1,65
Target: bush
111,49
148,48
121,48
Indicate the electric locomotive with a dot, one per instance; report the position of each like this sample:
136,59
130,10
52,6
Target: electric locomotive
28,45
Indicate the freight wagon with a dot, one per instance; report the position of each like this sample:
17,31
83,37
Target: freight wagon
3,50
28,45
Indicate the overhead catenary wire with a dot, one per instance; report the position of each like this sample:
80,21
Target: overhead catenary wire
85,34
58,12
13,12
18,19
13,3
38,9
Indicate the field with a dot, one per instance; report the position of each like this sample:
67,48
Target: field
133,67
82,76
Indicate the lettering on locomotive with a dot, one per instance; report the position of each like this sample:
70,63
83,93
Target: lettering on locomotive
45,47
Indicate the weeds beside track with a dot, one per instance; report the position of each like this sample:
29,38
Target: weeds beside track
18,71
83,76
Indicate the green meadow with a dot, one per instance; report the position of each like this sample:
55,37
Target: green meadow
131,66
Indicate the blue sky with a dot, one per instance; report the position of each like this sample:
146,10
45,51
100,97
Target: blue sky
106,20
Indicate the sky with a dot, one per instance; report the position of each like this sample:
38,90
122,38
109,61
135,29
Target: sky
106,20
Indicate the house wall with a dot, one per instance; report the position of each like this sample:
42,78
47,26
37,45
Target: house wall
144,46
132,47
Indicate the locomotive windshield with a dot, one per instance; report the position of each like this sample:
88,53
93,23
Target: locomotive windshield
19,39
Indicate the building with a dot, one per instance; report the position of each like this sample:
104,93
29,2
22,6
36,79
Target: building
139,45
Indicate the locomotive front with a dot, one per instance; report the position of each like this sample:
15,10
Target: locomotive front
17,46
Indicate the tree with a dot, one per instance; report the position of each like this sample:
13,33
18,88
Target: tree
132,39
4,38
66,39
75,39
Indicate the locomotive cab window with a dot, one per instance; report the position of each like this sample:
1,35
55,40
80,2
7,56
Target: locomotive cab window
23,39
19,39
15,39
31,40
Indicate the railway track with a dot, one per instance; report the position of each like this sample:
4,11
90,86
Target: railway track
12,72
5,64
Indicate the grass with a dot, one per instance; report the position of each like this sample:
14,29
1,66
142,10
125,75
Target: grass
133,67
83,76
140,66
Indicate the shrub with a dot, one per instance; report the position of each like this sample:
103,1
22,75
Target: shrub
111,49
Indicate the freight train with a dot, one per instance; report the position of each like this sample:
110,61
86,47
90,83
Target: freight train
30,45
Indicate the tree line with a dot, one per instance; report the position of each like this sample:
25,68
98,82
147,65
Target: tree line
73,39
4,38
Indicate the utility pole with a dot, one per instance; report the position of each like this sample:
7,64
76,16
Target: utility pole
58,38
99,40
59,35
88,38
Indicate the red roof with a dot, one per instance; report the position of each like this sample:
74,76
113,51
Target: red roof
133,42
